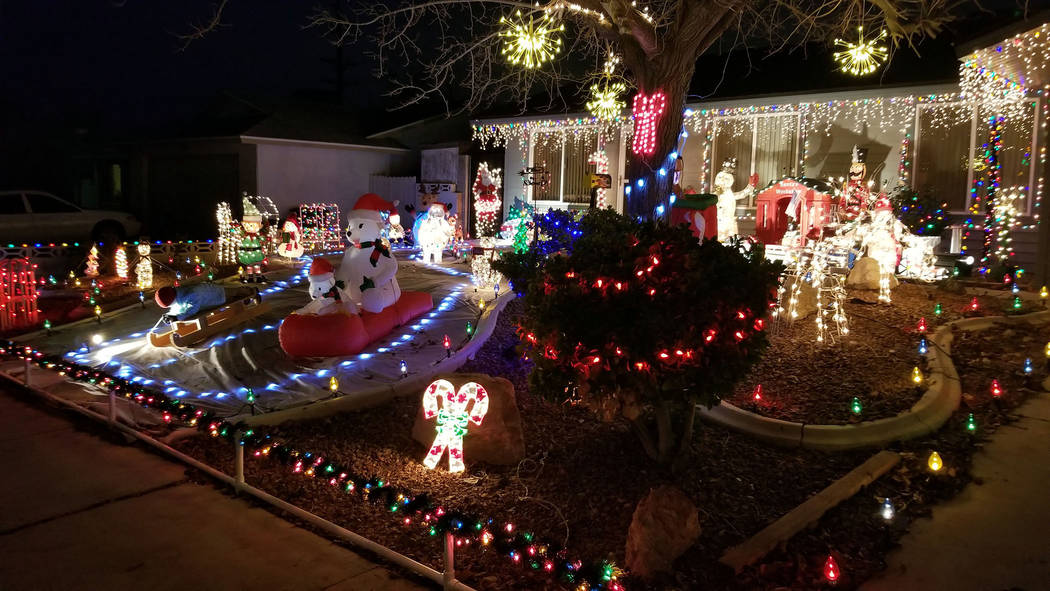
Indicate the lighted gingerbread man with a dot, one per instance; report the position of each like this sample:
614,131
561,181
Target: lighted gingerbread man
452,419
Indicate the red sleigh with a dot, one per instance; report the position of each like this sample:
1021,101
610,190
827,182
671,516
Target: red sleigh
338,335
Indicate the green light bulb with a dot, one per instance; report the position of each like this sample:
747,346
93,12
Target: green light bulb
251,396
937,309
855,406
971,424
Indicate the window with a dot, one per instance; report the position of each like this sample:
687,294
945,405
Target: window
942,166
766,145
12,204
40,203
565,157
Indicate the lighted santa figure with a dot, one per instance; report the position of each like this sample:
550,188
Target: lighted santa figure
434,233
328,295
881,239
856,191
487,203
250,249
395,232
291,245
369,270
727,198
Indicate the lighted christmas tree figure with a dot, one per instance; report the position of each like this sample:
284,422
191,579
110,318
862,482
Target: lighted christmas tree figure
452,419
120,261
523,215
91,270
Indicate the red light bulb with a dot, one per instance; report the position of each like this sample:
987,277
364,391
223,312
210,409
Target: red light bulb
831,570
973,304
997,390
758,393
922,325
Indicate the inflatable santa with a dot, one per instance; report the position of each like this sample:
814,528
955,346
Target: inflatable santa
369,270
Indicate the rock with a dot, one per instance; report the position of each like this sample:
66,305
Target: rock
865,274
1046,384
807,300
498,440
664,526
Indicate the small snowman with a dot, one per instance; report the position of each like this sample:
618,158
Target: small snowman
727,198
327,295
291,246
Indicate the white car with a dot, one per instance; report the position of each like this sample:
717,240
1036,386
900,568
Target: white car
30,217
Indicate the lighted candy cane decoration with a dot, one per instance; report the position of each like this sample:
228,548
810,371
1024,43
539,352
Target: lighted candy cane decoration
647,111
452,419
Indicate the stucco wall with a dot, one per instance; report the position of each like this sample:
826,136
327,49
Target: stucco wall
294,174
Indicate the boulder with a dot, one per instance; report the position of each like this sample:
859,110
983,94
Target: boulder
664,526
499,439
807,300
865,274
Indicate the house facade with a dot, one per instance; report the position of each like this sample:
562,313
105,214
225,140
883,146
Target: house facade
936,139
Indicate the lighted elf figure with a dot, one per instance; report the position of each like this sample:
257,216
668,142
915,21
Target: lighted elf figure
727,198
487,201
856,191
250,248
881,238
91,269
291,246
442,402
144,266
120,261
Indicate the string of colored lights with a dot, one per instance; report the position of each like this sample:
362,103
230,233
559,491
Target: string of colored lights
411,509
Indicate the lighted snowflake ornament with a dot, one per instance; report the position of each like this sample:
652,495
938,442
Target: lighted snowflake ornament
530,42
864,56
441,401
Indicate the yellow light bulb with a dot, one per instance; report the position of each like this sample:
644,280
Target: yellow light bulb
935,462
333,384
916,375
1043,292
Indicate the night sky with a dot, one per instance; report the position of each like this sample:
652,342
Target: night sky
78,72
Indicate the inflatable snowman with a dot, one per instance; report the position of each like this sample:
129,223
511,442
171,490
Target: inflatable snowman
369,270
291,247
727,198
327,295
434,233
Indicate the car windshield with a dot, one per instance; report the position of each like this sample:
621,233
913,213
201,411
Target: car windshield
40,203
11,204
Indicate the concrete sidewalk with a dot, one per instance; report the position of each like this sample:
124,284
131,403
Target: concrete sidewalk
994,535
82,513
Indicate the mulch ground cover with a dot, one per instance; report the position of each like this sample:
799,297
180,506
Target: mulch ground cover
814,383
581,479
854,532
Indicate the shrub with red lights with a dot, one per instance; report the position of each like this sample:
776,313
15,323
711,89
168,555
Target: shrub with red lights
640,320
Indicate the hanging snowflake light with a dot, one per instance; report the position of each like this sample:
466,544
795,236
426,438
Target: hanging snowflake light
863,57
530,43
605,103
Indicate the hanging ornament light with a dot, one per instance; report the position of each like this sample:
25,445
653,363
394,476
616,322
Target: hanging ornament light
864,56
530,42
605,103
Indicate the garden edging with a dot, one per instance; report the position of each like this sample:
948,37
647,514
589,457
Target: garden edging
940,400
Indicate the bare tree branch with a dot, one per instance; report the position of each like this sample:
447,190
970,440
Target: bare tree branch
199,30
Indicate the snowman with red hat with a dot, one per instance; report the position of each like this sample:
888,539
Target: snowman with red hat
327,294
369,269
291,247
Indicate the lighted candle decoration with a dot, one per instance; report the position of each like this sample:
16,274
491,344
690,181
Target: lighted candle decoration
974,306
934,462
886,510
831,570
404,368
1028,366
757,394
937,309
470,329
922,347
442,402
333,384
47,326
997,390
971,424
98,314
921,326
448,346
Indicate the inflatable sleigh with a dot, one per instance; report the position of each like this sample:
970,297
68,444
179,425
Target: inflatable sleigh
338,335
185,333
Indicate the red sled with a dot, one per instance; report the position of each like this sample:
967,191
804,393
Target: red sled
339,335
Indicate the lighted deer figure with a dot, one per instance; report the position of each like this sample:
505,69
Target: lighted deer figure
452,419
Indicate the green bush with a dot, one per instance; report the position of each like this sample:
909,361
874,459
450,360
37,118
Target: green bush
639,319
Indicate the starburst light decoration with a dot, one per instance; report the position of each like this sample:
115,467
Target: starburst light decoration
864,56
605,103
530,42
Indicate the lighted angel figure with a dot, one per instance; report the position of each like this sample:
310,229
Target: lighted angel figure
453,418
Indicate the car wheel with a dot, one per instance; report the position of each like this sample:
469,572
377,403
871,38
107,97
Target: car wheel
109,233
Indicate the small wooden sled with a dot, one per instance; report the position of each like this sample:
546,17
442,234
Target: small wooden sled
185,333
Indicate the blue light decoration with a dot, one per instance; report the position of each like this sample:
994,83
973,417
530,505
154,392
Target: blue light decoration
922,347
1028,367
641,183
660,209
